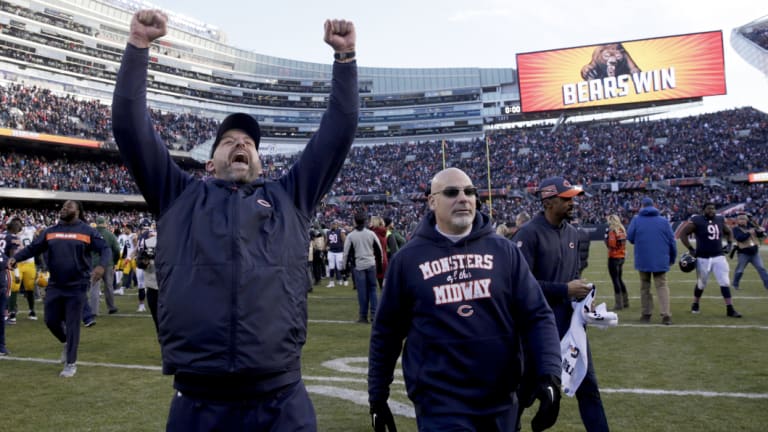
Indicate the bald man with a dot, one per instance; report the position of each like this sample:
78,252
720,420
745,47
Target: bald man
464,299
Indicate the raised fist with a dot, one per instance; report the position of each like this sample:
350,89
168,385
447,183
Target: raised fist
340,34
146,26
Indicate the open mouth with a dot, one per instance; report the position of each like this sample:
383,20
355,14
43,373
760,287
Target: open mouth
239,158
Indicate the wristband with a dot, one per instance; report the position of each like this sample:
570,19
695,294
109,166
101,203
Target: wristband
344,56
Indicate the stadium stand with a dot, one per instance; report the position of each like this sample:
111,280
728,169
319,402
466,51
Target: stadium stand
58,60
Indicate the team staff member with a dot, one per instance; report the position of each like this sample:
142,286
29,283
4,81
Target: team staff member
232,250
550,246
709,229
109,273
464,300
67,248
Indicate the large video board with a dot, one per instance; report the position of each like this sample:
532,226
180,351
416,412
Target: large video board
667,68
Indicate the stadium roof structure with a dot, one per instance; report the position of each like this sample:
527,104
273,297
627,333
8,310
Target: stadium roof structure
744,40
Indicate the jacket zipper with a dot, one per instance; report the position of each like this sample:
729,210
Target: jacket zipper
234,206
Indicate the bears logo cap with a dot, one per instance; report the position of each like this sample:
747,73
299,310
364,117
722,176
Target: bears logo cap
558,186
245,122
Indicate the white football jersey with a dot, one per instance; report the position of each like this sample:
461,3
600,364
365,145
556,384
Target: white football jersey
27,234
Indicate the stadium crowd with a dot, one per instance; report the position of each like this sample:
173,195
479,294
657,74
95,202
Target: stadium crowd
633,155
37,109
716,145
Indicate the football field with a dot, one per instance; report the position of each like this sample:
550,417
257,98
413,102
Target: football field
705,372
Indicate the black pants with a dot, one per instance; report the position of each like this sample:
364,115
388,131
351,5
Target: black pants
290,409
615,266
63,312
318,266
152,295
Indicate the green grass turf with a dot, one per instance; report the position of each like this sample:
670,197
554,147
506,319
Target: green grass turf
706,372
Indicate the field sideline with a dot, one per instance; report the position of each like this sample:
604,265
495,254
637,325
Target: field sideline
706,372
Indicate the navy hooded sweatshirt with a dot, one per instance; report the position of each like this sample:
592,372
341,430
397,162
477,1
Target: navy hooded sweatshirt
464,310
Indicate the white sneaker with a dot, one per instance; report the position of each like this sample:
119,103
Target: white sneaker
119,291
331,284
346,283
141,308
69,370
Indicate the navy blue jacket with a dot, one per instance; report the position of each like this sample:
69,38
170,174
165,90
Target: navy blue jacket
231,258
67,251
655,244
463,308
553,256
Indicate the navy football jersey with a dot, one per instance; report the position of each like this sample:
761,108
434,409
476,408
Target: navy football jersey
335,243
9,244
709,235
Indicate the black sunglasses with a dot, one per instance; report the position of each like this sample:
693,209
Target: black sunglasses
453,192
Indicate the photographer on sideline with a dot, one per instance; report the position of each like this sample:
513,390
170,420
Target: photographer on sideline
748,235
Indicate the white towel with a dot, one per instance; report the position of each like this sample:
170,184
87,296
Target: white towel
573,346
600,317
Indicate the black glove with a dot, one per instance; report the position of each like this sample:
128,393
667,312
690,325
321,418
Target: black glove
381,417
548,394
727,249
692,252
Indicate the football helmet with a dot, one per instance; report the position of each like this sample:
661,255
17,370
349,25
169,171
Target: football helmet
42,279
687,262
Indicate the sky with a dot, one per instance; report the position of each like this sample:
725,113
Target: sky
479,33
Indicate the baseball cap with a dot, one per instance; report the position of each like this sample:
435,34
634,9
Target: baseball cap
245,122
100,220
558,186
646,202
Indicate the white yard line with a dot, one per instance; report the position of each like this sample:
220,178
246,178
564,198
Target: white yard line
361,397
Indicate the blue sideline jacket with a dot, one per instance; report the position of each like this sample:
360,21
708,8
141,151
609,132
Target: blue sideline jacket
231,258
551,252
67,251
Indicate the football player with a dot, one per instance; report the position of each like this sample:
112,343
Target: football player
27,269
709,229
10,243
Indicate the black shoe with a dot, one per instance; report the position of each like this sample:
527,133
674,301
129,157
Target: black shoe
362,321
645,319
731,312
666,320
695,308
112,311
